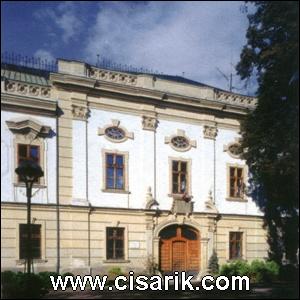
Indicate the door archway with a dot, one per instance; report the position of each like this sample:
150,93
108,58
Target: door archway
179,249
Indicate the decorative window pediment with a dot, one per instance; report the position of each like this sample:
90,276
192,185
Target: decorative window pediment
29,127
234,149
180,141
115,133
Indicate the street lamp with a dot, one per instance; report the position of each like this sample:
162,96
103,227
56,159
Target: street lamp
29,171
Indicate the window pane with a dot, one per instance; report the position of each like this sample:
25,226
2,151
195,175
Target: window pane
109,172
34,153
182,183
109,159
22,150
119,183
119,160
239,172
183,166
109,183
231,172
175,165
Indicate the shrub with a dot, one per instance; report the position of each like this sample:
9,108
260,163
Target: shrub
45,277
236,268
114,272
213,263
21,285
151,265
68,274
289,273
258,271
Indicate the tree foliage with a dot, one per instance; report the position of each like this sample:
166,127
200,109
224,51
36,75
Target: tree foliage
270,132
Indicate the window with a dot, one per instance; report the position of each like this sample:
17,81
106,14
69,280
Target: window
114,171
28,152
180,143
179,177
236,182
35,241
114,243
235,245
115,133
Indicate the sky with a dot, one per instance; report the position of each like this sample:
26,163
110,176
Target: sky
200,40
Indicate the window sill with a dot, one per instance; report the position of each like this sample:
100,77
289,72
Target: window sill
35,186
115,191
236,199
114,261
35,260
180,196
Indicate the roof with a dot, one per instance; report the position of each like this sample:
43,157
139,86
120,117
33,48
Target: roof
25,74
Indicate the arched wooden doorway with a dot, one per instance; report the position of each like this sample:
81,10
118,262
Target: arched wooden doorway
179,249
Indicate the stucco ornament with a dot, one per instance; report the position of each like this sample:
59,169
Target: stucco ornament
180,141
150,201
209,203
210,132
29,127
149,123
80,112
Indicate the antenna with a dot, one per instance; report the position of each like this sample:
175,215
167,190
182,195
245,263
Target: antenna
229,79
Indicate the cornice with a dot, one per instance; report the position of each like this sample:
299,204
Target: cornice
139,94
19,103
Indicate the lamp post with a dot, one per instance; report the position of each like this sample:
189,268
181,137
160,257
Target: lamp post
29,171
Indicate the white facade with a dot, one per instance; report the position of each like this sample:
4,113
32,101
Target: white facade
72,203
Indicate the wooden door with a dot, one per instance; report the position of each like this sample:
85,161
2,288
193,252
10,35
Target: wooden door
179,249
179,255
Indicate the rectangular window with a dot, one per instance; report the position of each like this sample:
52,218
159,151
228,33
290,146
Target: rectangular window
235,245
115,171
28,152
35,241
236,182
115,243
179,177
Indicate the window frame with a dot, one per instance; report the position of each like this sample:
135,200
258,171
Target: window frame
20,139
244,169
188,175
240,241
125,155
20,242
114,258
28,157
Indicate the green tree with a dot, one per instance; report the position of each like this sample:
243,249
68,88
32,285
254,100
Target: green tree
270,132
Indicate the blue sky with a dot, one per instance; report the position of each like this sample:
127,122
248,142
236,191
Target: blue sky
191,38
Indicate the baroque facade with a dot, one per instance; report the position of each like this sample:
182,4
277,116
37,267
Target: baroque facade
139,169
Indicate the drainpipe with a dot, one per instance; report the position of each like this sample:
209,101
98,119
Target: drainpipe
57,193
87,195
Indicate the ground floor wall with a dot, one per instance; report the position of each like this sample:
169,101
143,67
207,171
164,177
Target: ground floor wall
73,239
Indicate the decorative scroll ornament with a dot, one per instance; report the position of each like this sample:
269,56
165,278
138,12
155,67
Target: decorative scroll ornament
210,132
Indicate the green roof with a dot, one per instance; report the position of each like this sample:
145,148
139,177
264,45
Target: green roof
29,76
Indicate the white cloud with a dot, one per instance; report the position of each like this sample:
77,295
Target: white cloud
65,18
44,55
172,37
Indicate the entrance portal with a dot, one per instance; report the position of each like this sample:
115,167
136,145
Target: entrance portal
179,249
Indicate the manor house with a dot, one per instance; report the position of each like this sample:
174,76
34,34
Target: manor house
140,170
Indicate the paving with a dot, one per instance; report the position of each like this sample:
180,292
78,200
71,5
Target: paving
276,291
